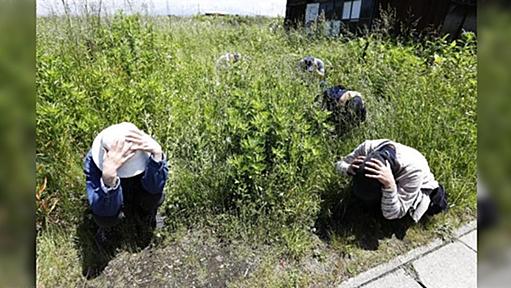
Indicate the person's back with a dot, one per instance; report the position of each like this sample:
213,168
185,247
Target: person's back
412,161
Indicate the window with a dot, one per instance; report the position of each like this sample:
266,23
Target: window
346,10
351,10
355,9
311,12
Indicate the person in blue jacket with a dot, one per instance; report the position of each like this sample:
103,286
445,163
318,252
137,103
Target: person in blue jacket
346,105
125,173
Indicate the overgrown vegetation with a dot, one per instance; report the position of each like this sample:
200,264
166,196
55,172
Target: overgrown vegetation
251,153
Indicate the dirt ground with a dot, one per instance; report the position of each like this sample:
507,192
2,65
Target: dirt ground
199,257
199,260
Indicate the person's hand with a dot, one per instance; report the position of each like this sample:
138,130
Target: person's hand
115,155
355,164
144,142
381,172
343,99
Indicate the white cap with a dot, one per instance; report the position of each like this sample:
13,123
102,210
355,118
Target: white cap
132,167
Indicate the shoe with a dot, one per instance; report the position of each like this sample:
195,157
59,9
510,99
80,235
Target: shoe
152,220
159,221
155,221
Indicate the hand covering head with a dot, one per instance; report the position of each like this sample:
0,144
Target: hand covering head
369,189
134,166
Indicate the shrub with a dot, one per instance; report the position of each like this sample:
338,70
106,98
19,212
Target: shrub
249,143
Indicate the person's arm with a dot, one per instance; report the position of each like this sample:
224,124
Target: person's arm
155,175
348,95
343,165
156,172
398,198
103,200
320,67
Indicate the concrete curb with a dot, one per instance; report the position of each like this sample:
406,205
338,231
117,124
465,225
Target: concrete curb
465,229
383,269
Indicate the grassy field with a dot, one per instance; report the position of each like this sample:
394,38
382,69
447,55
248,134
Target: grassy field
251,153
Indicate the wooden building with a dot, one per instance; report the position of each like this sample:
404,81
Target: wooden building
444,16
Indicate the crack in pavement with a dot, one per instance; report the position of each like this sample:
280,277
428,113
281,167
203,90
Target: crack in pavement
410,271
406,261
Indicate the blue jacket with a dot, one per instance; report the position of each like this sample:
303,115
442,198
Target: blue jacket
108,203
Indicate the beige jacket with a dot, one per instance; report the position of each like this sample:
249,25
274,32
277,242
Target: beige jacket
413,175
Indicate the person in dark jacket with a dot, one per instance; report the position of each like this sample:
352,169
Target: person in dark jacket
347,107
125,173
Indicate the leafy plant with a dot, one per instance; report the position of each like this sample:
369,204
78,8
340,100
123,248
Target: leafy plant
249,148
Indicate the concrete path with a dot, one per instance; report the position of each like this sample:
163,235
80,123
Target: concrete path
439,264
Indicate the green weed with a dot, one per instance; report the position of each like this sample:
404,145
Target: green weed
249,149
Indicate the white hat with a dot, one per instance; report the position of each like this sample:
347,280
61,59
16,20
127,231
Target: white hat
132,167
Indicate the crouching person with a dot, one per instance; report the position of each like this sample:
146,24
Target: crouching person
312,65
125,173
394,178
347,107
227,59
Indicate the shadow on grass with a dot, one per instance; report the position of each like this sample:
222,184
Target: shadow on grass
128,235
342,216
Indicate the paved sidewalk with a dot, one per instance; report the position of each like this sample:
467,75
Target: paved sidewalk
438,264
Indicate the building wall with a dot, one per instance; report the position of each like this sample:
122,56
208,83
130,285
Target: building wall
332,10
295,14
427,13
446,16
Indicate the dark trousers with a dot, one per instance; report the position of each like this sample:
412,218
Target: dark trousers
137,201
438,198
438,202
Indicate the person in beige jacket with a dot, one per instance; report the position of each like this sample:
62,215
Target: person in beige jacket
396,176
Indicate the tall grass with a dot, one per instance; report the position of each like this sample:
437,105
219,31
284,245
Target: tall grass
248,146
